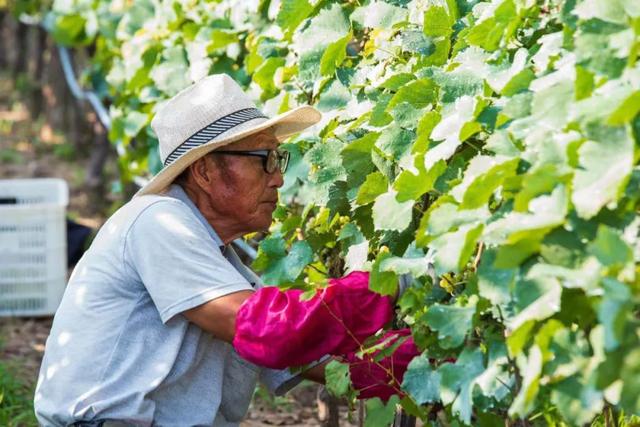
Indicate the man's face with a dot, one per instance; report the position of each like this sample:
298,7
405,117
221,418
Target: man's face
241,190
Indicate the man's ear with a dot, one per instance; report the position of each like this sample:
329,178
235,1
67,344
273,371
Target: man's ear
200,172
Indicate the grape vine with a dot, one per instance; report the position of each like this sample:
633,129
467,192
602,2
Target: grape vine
492,145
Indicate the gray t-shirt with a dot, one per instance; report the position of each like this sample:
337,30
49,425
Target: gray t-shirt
119,348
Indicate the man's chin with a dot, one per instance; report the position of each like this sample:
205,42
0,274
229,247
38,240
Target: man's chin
263,218
263,224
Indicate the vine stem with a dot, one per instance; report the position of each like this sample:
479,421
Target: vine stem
472,146
317,269
512,362
308,95
446,279
476,261
395,56
607,416
504,384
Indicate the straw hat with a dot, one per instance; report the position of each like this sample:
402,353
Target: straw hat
211,113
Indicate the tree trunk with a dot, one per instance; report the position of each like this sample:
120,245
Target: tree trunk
38,54
99,154
328,409
20,64
53,87
4,62
404,420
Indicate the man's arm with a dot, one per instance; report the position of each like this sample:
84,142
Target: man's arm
277,329
218,316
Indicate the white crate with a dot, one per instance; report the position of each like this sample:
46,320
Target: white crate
33,245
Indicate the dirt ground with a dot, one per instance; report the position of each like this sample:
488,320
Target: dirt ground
30,148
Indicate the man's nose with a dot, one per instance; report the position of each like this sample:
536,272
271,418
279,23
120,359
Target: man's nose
276,179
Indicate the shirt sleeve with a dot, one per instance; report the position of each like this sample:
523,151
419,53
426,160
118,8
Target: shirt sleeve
177,259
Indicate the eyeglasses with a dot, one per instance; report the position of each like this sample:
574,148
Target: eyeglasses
271,159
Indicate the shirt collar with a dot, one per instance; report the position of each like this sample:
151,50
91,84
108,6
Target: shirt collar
177,192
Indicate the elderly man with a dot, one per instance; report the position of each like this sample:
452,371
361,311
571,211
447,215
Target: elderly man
161,323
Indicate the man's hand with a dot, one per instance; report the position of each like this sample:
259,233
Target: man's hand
317,372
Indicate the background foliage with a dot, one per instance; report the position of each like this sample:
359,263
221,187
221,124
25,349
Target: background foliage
494,140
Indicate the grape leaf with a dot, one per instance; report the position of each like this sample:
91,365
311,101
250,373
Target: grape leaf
265,73
496,382
446,217
483,176
326,168
389,214
419,93
458,380
415,265
395,141
378,14
406,115
577,401
277,265
292,13
416,41
531,368
380,414
613,312
535,299
411,186
453,250
383,282
356,256
333,56
448,131
605,165
337,378
607,10
396,81
68,29
421,381
328,26
334,96
171,75
438,22
545,212
495,284
609,247
631,389
451,322
374,185
134,122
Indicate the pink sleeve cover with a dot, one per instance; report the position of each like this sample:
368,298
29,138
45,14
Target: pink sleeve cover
276,330
382,378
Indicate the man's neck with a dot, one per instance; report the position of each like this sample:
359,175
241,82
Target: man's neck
223,226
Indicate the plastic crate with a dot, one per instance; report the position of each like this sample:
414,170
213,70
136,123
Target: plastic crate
33,246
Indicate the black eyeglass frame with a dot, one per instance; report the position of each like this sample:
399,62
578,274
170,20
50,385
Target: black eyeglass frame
281,159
